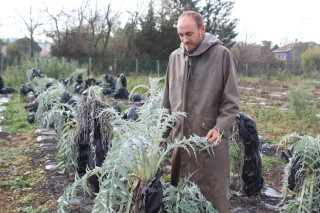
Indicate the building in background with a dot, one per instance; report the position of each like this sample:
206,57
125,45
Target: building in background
284,53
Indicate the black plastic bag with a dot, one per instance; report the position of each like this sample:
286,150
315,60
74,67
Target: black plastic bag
8,90
107,90
79,79
123,80
152,194
1,82
78,88
111,80
122,93
263,146
116,107
130,114
25,89
31,117
37,73
252,168
89,82
86,158
136,97
251,174
293,170
65,97
287,153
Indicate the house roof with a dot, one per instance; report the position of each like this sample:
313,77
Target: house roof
284,48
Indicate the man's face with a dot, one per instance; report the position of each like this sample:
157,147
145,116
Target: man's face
189,33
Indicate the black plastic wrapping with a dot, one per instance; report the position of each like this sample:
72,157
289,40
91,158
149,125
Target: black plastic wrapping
152,194
122,93
252,168
130,114
86,156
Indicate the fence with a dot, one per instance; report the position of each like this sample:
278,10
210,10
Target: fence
257,69
99,66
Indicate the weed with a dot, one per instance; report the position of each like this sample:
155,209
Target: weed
30,209
165,159
3,141
302,111
15,75
122,106
269,161
167,178
16,116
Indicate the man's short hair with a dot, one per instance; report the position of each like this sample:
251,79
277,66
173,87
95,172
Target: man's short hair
197,17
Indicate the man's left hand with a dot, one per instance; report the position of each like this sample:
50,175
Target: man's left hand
212,136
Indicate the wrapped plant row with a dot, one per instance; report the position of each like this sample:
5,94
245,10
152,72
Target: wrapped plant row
130,177
119,155
245,155
302,174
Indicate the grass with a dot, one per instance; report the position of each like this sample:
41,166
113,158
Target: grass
30,209
16,116
140,80
272,125
17,173
15,76
269,161
3,141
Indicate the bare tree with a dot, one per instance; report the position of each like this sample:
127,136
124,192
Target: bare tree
32,23
59,27
79,21
96,25
285,41
110,18
243,49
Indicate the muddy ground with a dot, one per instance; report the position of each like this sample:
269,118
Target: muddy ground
50,185
47,191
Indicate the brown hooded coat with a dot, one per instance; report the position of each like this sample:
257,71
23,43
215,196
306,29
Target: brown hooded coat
204,86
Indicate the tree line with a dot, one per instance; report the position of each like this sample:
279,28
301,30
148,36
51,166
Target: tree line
95,31
92,31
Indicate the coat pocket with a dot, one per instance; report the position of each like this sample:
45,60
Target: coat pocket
204,123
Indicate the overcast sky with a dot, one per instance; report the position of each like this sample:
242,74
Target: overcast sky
272,20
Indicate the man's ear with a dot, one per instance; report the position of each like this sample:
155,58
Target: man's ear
202,29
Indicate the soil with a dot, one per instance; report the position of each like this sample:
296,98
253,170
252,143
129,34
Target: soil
46,190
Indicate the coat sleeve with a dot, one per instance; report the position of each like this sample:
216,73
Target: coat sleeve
230,95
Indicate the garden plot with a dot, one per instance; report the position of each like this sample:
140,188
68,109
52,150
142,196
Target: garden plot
274,95
50,188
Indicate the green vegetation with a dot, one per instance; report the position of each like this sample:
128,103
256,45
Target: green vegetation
30,209
310,59
18,174
134,81
16,116
20,48
272,125
268,162
306,187
303,112
15,76
135,157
